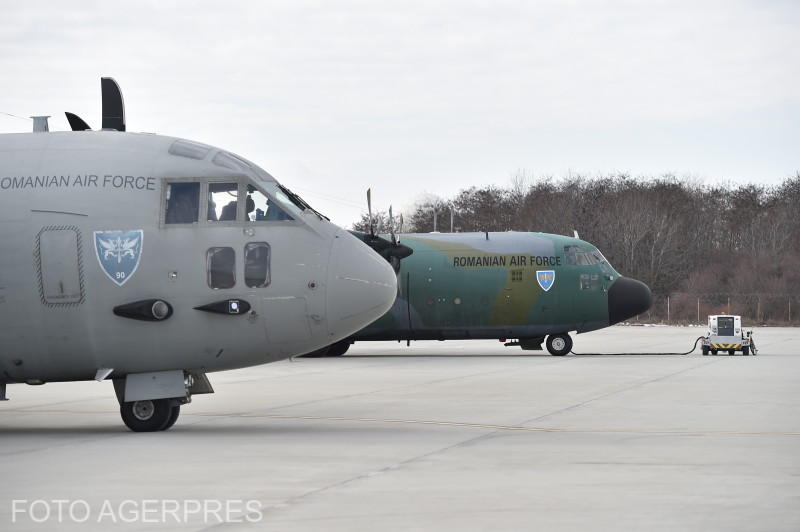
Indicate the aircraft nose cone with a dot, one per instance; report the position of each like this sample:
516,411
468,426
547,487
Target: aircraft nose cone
627,298
362,286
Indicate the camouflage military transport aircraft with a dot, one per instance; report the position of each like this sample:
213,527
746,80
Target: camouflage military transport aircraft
524,286
151,261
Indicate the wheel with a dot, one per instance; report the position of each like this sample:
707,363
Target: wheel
732,352
559,344
705,351
745,351
713,351
319,353
338,349
146,416
173,417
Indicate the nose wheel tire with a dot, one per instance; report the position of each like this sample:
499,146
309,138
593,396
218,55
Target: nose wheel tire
338,349
149,415
176,411
559,344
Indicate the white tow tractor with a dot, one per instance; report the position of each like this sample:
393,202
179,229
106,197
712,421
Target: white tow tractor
725,333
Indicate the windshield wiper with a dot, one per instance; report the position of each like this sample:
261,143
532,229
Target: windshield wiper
300,203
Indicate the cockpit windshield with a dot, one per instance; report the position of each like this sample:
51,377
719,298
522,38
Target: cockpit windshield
290,201
584,256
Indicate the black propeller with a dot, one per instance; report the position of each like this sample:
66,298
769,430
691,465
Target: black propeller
391,250
113,105
76,122
113,109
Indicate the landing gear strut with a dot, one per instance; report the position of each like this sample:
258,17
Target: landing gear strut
150,415
559,344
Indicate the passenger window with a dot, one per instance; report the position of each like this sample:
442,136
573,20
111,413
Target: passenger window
256,264
182,203
222,198
221,266
262,209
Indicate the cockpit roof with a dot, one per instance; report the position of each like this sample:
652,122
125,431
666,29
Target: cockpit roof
218,157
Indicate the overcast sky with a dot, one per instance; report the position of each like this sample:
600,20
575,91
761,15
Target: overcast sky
427,97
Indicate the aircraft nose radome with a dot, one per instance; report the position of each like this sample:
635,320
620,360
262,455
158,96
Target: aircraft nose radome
362,286
627,298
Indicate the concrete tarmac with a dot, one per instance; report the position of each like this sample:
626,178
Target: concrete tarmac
459,435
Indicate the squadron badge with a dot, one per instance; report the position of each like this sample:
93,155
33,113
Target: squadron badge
546,279
118,253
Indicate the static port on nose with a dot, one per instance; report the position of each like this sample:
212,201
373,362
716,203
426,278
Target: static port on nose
627,298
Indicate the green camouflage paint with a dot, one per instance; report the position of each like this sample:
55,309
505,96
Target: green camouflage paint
479,285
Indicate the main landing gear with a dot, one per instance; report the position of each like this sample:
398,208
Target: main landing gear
559,344
150,415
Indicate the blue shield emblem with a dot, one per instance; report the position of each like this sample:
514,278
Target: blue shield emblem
118,253
546,279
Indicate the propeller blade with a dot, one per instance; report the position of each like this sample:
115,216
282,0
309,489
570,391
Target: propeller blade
113,106
391,226
369,210
401,226
76,122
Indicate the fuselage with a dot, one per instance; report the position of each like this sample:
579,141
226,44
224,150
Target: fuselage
504,285
93,221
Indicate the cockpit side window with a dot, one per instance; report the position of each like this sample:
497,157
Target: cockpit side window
571,254
182,201
260,208
222,202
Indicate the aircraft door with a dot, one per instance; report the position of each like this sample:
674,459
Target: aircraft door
59,265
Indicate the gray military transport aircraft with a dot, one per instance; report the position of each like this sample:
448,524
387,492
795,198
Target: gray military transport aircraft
151,261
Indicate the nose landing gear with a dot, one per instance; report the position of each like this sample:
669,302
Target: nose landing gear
559,344
150,402
150,415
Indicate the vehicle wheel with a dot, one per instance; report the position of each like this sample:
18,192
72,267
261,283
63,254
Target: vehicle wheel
745,351
732,352
173,417
338,349
713,351
146,416
559,344
705,351
319,353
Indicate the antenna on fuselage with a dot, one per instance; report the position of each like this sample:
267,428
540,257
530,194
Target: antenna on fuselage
40,124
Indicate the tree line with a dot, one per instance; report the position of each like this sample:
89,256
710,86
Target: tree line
677,235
